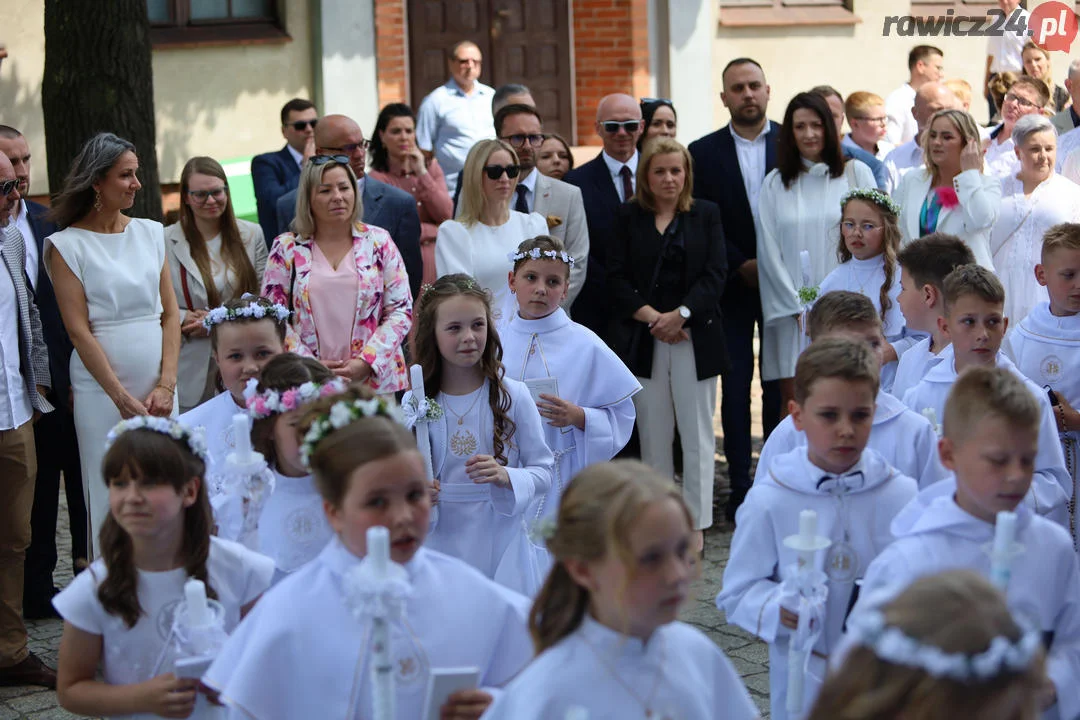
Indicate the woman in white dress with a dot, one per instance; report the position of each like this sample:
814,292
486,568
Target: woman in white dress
115,296
486,230
213,258
1033,201
798,222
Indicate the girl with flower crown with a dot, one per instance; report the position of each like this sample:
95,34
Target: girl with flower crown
119,614
306,649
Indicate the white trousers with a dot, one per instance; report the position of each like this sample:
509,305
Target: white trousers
674,397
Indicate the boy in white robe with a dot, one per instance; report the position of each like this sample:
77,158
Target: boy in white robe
854,491
1045,345
974,302
923,266
906,440
991,437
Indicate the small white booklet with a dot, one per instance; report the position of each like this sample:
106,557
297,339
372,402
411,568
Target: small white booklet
546,385
444,682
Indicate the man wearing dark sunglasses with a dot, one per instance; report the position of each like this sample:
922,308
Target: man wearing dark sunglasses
276,173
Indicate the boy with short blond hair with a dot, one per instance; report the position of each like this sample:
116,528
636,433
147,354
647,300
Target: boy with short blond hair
904,438
923,266
1045,345
854,491
974,322
991,437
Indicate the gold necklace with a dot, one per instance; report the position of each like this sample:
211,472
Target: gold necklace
463,443
647,702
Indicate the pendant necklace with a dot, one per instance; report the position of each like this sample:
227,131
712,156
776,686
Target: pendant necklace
463,443
645,703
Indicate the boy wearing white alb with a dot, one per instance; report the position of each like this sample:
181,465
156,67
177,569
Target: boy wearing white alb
854,491
991,437
904,438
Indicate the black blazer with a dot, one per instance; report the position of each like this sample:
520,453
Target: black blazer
52,325
718,179
592,308
272,175
632,256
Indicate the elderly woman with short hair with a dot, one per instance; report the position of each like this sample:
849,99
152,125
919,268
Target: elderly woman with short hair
1033,201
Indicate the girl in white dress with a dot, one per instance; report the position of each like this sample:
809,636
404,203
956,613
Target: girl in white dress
305,651
604,624
945,647
119,614
487,444
292,527
117,302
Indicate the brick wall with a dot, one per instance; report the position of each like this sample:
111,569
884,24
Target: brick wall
611,54
391,53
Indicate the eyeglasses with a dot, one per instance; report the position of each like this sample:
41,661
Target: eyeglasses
1022,102
864,228
519,140
301,125
201,196
351,147
875,120
495,171
8,186
323,159
612,126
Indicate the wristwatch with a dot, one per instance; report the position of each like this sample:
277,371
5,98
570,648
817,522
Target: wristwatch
684,312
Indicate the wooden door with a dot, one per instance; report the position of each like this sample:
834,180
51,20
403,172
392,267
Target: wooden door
522,41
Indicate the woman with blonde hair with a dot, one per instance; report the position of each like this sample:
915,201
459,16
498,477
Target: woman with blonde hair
951,194
329,258
1037,65
487,231
213,257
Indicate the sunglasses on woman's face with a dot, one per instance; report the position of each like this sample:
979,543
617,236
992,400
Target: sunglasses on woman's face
495,171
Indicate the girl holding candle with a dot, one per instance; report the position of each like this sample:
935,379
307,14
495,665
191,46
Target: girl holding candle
119,614
304,652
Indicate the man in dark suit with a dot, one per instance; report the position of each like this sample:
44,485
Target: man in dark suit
384,205
729,168
54,434
276,173
606,181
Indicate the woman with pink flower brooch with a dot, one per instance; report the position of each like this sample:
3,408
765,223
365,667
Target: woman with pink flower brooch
951,193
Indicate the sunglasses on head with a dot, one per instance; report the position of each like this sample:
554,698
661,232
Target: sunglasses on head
323,159
495,171
612,126
8,186
301,125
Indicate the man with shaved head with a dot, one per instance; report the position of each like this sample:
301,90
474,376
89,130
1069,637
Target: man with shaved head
929,98
382,205
606,181
456,115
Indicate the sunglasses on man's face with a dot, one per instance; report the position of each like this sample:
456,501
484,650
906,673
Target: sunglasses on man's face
301,125
323,159
8,186
612,126
495,171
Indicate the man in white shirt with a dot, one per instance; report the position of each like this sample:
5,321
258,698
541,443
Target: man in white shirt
925,64
24,382
456,115
930,98
1005,49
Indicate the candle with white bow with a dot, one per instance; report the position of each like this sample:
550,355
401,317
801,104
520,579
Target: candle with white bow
199,635
416,375
246,485
1003,550
807,543
382,666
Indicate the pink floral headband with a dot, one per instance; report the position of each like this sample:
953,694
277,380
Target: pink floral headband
273,402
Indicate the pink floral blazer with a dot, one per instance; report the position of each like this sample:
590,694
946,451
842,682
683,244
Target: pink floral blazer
383,305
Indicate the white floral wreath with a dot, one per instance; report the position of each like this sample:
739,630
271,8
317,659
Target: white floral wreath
537,253
254,310
342,414
892,645
271,402
417,409
193,438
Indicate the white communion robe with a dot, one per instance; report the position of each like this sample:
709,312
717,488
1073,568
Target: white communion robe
905,439
679,674
1046,348
137,654
937,535
301,653
1051,487
1016,238
913,366
804,217
293,528
854,512
484,524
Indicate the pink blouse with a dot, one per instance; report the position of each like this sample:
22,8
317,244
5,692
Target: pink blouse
333,318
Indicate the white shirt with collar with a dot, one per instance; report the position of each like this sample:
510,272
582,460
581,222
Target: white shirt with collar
752,163
22,223
1006,48
615,168
296,155
900,125
15,407
529,183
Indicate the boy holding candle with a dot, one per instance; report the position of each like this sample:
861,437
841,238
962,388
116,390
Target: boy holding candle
853,490
974,322
904,438
991,438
